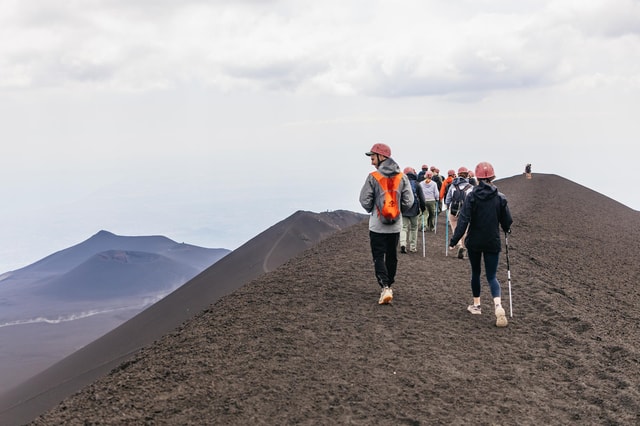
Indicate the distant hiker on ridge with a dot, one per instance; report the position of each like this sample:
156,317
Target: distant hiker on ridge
385,193
484,211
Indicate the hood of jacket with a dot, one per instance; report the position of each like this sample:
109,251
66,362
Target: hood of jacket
389,167
485,191
460,181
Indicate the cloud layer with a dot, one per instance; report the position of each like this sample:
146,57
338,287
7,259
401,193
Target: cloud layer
377,48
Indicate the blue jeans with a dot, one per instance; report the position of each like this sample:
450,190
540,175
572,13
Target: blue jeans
384,248
491,269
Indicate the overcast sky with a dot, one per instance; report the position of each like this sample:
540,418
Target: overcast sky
209,121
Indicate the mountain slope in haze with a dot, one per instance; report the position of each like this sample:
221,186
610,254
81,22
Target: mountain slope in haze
262,254
118,273
55,306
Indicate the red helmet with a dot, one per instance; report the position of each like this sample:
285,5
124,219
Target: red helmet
409,170
380,148
484,170
451,172
463,170
425,167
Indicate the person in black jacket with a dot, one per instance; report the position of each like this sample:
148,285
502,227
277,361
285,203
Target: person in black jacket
484,212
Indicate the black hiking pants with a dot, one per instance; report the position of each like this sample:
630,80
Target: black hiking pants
384,248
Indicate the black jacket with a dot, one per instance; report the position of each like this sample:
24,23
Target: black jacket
484,212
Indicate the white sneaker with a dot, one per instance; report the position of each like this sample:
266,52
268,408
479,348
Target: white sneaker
474,309
501,317
385,296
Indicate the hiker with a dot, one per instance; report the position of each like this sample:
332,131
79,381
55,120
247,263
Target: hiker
429,190
424,169
472,178
484,211
438,179
409,231
527,171
421,173
451,174
384,236
458,190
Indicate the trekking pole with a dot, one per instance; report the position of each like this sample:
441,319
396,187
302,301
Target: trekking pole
506,244
424,249
435,230
446,236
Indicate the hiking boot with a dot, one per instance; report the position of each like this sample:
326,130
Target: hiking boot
413,250
403,249
385,296
460,253
501,317
474,309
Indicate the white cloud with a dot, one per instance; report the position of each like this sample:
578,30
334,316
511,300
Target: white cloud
379,48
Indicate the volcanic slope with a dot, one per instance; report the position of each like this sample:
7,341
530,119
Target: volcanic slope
307,343
261,254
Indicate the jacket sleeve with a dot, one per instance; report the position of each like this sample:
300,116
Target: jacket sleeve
367,194
436,193
448,195
505,214
421,199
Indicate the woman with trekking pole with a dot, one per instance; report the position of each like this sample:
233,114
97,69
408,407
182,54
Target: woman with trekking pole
483,213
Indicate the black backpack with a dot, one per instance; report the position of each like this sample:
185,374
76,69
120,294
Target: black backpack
457,198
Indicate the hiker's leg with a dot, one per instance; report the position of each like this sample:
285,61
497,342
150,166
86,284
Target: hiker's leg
491,270
378,250
403,233
391,256
413,233
453,222
475,259
431,211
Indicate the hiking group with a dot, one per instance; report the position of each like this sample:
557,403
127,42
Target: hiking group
401,202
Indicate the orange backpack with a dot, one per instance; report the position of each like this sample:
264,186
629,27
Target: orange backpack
386,197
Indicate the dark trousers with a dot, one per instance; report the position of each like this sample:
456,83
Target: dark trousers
384,248
491,270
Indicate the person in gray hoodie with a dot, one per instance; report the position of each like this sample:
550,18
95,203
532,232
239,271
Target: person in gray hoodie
484,212
384,237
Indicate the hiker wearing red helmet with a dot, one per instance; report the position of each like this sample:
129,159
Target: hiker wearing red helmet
424,169
409,233
386,193
431,195
484,212
451,174
456,194
472,178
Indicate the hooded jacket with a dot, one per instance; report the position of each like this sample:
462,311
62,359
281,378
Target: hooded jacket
445,187
484,212
367,197
418,204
